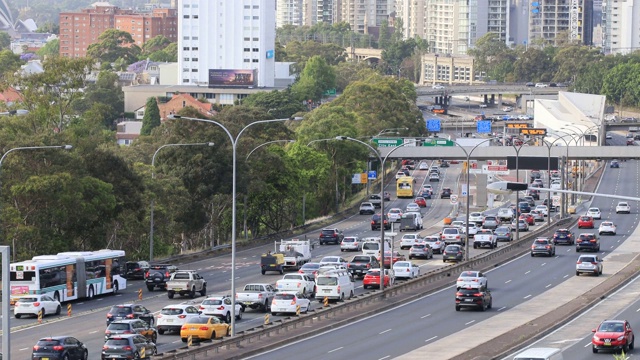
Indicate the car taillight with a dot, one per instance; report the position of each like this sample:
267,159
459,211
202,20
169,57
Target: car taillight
127,348
146,275
372,222
107,332
201,307
592,240
594,263
458,294
159,316
104,347
338,289
300,272
548,246
130,316
293,301
36,304
126,332
578,262
109,316
220,308
205,328
58,348
167,274
36,347
533,246
457,236
259,296
182,316
184,327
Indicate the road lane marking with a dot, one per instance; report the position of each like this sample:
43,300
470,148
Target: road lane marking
527,272
528,296
543,264
508,281
566,276
502,308
380,333
431,338
470,322
587,345
547,286
340,348
23,349
422,317
93,332
386,357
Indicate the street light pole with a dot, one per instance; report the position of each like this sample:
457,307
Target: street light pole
153,167
549,146
6,289
234,145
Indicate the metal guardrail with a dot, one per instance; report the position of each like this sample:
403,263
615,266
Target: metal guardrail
418,285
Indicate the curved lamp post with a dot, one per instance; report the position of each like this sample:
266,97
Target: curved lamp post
466,255
267,143
153,167
549,146
6,289
234,146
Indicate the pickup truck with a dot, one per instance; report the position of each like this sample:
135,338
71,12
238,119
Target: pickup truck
485,238
297,283
505,215
186,282
257,296
360,264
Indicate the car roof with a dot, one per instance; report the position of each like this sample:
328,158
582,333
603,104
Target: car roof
178,306
125,321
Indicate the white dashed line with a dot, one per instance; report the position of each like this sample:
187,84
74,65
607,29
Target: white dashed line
527,272
382,332
508,281
341,347
422,317
528,296
431,338
470,322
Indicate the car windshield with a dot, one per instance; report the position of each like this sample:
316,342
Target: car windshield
49,342
611,327
451,248
588,259
562,232
348,240
585,218
541,242
450,231
118,326
27,300
622,204
212,302
502,230
470,274
587,236
373,273
418,246
361,258
371,246
327,232
171,311
120,310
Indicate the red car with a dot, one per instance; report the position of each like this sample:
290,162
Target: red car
528,218
422,202
585,222
372,279
613,335
396,257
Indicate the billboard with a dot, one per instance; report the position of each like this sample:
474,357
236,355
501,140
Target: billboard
231,77
532,163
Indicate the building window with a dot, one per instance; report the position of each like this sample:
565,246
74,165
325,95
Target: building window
185,38
195,16
185,48
186,59
256,6
187,5
247,49
256,50
194,59
185,70
195,6
247,39
254,60
247,60
185,80
186,16
194,38
247,17
255,39
194,48
194,70
256,18
247,6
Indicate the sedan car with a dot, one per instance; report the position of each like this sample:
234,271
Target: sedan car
437,87
614,164
434,177
453,253
406,270
394,214
585,222
472,279
490,222
351,243
423,166
132,326
476,217
372,279
436,244
58,348
521,224
623,208
333,260
204,328
474,298
563,236
543,209
541,85
543,246
607,228
220,306
130,311
408,240
310,268
34,304
421,201
172,317
503,233
591,264
445,193
367,208
594,212
421,250
288,303
536,215
412,207
587,241
613,335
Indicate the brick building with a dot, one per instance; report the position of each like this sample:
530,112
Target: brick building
78,30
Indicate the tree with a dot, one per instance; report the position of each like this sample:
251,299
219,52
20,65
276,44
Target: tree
51,48
112,45
301,52
316,78
168,54
532,65
107,91
151,119
384,39
493,57
279,103
156,44
395,54
9,62
573,60
5,40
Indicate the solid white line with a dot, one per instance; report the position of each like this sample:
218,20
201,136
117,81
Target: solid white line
380,333
502,308
547,286
386,357
527,272
341,347
422,317
431,338
528,296
470,322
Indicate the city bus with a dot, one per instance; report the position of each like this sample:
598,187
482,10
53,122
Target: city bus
404,187
69,275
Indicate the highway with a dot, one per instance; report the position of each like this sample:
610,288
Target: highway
89,318
432,320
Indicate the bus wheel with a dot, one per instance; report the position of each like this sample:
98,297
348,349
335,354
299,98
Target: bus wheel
115,288
91,293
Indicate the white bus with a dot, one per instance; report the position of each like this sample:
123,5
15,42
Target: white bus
69,275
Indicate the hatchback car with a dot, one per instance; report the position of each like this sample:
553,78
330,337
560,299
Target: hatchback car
478,298
586,222
128,346
372,279
351,243
288,303
367,208
412,207
537,215
34,304
437,245
130,311
623,208
563,236
472,279
59,348
476,217
408,240
594,212
220,307
607,228
543,246
453,253
591,264
490,222
529,218
405,270
421,201
172,317
394,214
587,241
333,260
434,177
421,250
133,326
613,335
521,224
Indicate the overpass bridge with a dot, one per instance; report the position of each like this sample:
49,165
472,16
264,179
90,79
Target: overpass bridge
483,89
501,152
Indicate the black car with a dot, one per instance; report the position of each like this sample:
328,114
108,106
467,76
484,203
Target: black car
130,311
60,347
587,241
563,236
331,236
479,298
615,164
158,275
444,164
530,84
128,346
375,222
453,253
524,207
135,269
534,193
445,193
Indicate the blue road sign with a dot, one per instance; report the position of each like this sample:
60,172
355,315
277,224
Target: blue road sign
484,127
372,175
433,125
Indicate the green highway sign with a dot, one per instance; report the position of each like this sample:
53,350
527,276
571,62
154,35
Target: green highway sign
438,142
329,92
387,142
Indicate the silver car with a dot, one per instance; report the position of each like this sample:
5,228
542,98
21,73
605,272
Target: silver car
591,264
421,250
436,244
350,243
490,222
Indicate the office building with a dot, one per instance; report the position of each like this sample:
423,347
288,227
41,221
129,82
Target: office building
226,43
620,26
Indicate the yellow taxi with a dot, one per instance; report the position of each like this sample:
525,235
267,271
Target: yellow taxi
571,209
204,328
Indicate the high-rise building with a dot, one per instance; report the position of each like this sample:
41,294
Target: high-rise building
78,30
289,12
621,26
553,21
364,14
226,43
412,13
320,11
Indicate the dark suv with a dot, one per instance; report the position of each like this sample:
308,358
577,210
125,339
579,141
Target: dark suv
563,236
479,298
331,236
130,311
158,275
135,269
375,222
360,264
59,347
446,193
128,346
587,241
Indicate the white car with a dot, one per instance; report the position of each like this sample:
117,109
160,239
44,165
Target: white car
172,317
541,85
423,166
594,212
607,227
543,209
220,306
507,109
623,207
472,279
537,215
405,269
556,184
437,245
412,207
437,87
608,136
288,303
351,243
408,240
589,264
333,260
400,174
427,187
476,217
33,304
394,215
434,177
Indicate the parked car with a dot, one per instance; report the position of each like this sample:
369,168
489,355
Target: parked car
591,264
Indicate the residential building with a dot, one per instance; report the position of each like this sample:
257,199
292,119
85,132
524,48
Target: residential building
127,132
413,15
30,42
447,70
170,106
228,43
320,11
144,27
556,21
621,26
289,12
365,14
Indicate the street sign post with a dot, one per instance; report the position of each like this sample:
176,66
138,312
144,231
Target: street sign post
454,199
372,175
433,125
438,142
483,127
387,142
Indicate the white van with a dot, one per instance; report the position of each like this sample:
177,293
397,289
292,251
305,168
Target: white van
540,354
335,285
372,247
